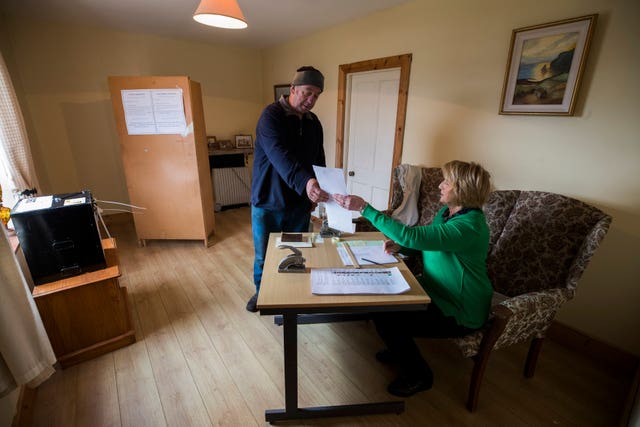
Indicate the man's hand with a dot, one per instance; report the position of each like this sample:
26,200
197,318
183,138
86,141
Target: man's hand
315,193
351,203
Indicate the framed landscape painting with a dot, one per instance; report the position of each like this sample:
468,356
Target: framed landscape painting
545,67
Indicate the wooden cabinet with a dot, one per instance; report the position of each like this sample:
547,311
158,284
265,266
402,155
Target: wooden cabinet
86,315
168,175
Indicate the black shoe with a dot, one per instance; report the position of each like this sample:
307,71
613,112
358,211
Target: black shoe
405,386
251,305
387,357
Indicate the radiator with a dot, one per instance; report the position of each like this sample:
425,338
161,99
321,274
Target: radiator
231,186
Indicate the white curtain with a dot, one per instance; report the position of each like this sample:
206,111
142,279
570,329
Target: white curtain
26,356
16,167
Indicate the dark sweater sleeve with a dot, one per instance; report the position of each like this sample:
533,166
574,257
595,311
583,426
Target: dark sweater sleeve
272,130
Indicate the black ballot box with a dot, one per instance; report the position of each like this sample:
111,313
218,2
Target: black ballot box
58,235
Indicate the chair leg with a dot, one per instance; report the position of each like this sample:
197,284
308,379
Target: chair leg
532,357
479,366
501,317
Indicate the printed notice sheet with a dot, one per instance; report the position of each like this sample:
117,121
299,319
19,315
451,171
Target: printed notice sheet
341,281
154,111
366,252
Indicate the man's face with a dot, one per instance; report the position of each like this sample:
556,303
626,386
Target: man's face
303,98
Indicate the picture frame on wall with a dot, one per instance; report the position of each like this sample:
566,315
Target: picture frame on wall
545,67
244,141
279,90
212,142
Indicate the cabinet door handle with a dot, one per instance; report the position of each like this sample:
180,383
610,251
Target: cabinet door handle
351,173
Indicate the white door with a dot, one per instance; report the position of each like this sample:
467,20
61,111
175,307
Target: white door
372,104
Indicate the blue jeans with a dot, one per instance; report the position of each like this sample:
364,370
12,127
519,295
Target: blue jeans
265,221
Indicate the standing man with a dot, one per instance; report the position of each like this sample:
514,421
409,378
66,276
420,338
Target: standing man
284,190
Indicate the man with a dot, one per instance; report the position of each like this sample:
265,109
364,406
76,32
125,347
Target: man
284,190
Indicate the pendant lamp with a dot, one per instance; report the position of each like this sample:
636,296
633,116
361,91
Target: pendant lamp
220,13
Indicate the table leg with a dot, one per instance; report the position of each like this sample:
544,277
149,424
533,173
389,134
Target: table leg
292,411
290,332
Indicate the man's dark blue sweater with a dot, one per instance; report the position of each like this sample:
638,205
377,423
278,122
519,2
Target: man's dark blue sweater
286,149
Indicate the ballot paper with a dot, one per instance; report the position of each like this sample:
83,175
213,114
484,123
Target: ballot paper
343,281
366,252
332,181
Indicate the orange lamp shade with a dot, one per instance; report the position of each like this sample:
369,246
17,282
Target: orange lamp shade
220,13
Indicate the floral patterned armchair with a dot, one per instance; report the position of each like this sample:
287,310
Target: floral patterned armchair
540,244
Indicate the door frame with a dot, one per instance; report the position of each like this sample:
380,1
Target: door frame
399,61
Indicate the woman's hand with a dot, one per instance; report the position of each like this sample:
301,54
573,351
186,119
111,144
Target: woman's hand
351,203
391,247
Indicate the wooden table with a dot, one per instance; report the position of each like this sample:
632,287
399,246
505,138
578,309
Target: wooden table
289,295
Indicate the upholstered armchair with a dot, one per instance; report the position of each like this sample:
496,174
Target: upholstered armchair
540,244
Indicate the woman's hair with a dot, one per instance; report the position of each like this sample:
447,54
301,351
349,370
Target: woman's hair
471,183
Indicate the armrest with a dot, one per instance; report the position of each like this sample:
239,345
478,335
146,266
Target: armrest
536,302
531,314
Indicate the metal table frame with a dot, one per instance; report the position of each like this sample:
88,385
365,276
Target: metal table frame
289,319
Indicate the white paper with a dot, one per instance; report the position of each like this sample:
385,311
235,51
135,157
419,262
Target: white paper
154,111
33,204
366,252
138,112
375,281
332,181
168,111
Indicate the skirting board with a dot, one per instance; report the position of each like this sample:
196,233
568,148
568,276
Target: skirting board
620,362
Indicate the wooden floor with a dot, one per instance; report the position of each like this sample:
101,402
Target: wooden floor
202,360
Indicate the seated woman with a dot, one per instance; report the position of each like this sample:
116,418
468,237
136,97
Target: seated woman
454,249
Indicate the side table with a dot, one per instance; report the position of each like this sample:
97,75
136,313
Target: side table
86,315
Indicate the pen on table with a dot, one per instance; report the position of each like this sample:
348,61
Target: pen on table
371,261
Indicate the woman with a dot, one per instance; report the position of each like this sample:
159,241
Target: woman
454,250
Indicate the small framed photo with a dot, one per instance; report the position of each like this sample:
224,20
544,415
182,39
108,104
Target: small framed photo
279,90
545,67
212,143
244,141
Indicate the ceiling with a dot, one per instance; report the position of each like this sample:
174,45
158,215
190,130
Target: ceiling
270,21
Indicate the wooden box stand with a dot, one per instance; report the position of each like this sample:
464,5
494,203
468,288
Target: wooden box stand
86,315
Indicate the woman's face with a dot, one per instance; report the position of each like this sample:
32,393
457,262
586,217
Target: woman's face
446,192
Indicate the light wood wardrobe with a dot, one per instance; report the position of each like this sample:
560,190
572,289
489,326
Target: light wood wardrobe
168,175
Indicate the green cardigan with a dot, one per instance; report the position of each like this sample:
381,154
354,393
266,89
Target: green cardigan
454,255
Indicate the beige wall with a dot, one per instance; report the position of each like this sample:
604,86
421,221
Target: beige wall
459,56
61,74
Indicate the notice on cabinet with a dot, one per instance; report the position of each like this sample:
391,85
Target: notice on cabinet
154,111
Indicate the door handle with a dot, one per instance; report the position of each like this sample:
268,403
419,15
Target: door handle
351,173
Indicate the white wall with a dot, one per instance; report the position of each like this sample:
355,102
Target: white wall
459,58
